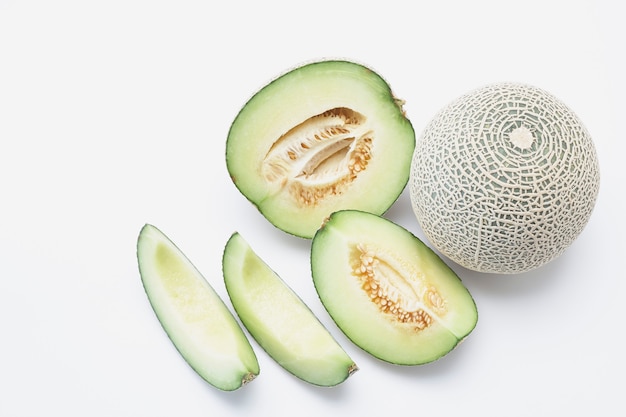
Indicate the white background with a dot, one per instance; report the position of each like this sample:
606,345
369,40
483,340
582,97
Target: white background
115,113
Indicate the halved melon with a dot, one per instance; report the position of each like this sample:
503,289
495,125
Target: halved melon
387,291
325,136
193,315
280,321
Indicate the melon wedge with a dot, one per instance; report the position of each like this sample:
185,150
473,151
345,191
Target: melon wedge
280,321
193,315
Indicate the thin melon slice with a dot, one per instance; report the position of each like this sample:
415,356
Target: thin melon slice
387,291
326,136
280,321
193,315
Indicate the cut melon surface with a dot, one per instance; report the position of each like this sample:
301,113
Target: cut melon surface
280,321
193,315
322,137
387,291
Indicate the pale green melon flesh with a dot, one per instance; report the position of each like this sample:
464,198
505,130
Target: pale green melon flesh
291,100
193,315
333,265
280,321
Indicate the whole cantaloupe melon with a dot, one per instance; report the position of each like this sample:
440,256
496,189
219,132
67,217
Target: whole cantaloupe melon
504,179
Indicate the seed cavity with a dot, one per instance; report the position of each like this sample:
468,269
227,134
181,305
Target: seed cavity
396,288
319,157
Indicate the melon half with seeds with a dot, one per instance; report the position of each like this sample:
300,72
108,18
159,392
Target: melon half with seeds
387,291
325,136
504,179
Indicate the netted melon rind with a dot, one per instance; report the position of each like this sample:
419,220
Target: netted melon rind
491,202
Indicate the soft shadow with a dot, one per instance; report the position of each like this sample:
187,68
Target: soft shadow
243,398
334,393
401,212
514,285
440,368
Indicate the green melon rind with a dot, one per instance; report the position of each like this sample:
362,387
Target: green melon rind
302,93
279,320
358,317
193,315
